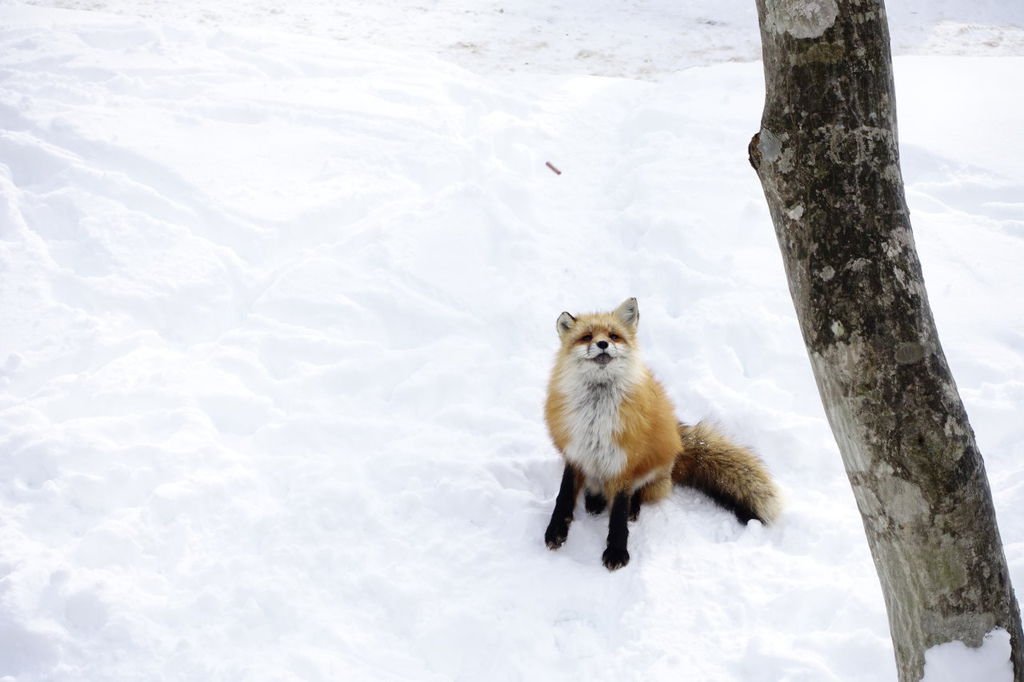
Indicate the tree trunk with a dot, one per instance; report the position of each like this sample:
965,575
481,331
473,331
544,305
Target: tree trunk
828,161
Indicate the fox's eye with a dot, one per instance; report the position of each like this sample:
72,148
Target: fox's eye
587,338
615,337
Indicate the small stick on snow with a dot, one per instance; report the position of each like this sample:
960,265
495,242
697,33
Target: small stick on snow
553,169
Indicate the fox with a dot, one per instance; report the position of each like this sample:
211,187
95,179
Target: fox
617,432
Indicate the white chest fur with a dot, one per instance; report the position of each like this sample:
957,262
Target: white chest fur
592,420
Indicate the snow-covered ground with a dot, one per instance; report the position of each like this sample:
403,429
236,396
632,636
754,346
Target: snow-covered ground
277,296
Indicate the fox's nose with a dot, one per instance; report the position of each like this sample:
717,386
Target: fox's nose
602,344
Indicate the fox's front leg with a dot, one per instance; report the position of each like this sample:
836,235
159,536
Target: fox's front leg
634,505
615,555
565,503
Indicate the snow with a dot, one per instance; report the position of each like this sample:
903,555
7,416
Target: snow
278,287
955,661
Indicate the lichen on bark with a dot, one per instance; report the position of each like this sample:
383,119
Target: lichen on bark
801,18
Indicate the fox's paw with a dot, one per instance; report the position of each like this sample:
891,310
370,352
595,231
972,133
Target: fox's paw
594,502
615,558
556,534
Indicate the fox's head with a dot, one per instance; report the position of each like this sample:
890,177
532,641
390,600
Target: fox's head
601,346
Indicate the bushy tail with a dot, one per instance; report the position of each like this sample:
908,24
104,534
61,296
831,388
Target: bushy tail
730,474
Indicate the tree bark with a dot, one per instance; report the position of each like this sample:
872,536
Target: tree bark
828,161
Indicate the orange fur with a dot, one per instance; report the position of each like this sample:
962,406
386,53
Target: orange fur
616,428
719,467
658,449
647,429
647,434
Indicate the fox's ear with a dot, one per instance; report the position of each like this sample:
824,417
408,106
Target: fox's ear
628,313
564,324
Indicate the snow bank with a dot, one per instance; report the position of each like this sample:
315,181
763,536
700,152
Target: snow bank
597,37
954,661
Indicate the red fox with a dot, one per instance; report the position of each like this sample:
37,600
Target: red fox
621,441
